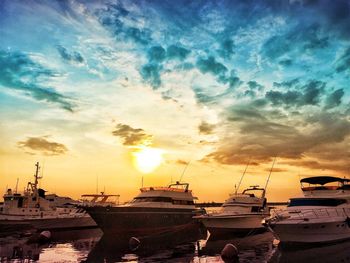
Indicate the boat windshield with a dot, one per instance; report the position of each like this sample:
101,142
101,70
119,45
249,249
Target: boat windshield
315,202
254,192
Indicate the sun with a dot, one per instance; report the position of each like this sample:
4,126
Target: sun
147,159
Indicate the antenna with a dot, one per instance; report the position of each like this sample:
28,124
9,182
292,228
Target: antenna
268,178
183,172
142,181
16,185
240,181
96,183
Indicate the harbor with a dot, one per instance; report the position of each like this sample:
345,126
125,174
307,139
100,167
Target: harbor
175,131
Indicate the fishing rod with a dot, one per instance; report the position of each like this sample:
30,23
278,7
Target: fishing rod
183,172
245,170
268,178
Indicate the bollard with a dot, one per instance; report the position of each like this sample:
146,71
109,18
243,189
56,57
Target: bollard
229,254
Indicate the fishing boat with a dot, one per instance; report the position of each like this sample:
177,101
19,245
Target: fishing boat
241,213
322,215
154,210
35,210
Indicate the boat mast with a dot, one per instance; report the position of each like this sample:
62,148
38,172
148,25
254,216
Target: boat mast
268,178
240,181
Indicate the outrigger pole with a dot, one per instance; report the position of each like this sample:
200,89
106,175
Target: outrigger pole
240,181
268,178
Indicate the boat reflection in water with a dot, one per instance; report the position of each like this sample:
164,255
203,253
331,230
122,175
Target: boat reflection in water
252,248
63,246
339,252
176,245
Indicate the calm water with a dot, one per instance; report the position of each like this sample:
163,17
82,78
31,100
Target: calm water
91,246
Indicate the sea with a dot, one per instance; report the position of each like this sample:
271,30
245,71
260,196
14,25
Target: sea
90,245
195,246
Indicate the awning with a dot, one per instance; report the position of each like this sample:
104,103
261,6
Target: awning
322,180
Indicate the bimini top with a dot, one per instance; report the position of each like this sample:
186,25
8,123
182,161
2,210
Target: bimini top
322,180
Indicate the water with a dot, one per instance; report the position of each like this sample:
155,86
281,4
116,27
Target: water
92,246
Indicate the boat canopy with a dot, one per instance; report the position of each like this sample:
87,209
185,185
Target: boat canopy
322,180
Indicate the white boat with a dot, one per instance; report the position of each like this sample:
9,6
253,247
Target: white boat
36,210
241,213
321,216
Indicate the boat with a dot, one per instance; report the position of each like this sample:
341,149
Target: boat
322,215
242,213
154,210
35,210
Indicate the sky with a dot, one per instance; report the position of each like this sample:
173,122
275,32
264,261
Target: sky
105,93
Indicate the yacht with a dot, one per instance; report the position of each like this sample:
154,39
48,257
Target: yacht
240,213
39,211
322,215
154,210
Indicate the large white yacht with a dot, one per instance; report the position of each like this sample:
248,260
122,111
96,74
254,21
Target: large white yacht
321,216
154,210
241,213
36,210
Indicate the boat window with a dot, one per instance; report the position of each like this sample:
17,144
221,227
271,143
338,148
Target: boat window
316,202
182,202
152,199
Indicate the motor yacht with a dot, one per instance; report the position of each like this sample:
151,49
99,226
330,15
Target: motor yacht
38,211
154,210
240,213
322,215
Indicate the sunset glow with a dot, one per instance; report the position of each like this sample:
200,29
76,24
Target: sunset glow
83,84
147,159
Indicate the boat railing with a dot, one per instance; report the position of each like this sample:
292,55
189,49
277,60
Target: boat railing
162,188
315,213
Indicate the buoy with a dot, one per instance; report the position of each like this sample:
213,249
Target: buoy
44,236
134,243
229,254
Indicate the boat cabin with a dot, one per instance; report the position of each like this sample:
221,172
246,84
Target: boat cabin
177,194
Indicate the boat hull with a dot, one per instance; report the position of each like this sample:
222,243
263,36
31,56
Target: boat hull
306,232
48,223
140,221
234,224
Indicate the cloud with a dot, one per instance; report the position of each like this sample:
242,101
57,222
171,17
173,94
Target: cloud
70,56
156,54
343,63
43,146
131,136
19,72
151,74
177,52
226,48
210,65
261,135
334,99
310,94
206,128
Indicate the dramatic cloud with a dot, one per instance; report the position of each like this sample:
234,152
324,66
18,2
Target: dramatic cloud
206,128
43,146
131,136
19,72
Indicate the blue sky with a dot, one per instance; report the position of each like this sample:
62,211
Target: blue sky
215,81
